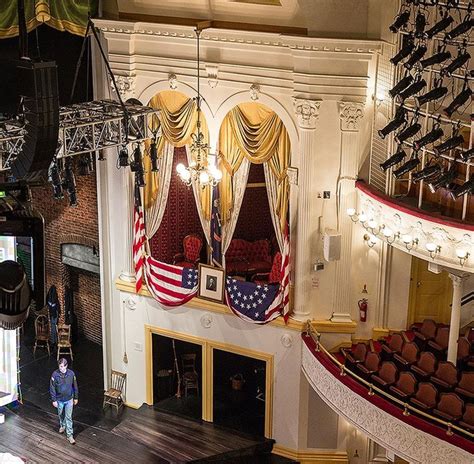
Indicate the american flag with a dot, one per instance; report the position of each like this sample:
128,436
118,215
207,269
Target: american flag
216,235
138,239
253,302
170,285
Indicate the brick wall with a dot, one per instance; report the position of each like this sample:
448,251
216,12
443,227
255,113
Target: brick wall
62,223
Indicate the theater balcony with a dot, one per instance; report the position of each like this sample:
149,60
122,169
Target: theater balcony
425,233
404,429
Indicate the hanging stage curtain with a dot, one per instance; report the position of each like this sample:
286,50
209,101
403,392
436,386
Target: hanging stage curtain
256,134
65,15
177,121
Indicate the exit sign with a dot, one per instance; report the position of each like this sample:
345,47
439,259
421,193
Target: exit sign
2,194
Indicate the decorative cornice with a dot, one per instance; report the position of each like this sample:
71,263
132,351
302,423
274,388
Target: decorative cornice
458,279
402,439
307,112
350,113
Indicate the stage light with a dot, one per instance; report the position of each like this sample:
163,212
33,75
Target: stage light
393,160
413,89
439,26
154,157
403,52
84,165
435,59
467,155
459,101
426,173
444,180
420,24
461,28
69,183
407,167
460,190
123,157
407,133
462,58
400,118
434,94
416,56
56,181
435,134
449,144
400,86
136,166
400,21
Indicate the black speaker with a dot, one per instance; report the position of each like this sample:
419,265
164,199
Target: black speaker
37,84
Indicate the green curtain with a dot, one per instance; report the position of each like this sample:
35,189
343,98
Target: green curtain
66,15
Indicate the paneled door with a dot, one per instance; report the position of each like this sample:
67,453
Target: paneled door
430,294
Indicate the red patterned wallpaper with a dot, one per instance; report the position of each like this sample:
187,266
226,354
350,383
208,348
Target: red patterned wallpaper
180,218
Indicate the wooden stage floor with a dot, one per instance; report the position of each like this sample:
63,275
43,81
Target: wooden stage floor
142,436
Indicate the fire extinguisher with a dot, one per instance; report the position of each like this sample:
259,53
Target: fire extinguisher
363,307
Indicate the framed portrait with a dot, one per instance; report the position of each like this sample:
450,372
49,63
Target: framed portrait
211,283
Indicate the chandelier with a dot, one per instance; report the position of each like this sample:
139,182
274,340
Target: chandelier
200,169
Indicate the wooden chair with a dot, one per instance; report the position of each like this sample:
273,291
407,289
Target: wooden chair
64,339
42,333
192,245
190,375
114,395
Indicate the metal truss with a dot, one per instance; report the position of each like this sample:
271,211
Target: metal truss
85,128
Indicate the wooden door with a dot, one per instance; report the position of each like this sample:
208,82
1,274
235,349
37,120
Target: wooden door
430,294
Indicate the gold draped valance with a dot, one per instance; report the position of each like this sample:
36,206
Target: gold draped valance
177,120
255,132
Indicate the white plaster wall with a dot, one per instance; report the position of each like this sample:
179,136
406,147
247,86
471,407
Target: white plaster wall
225,329
399,290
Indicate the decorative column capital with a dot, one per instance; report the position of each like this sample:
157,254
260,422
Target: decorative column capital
350,113
125,85
458,279
307,112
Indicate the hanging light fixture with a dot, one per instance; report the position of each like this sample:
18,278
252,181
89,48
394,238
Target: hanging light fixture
199,170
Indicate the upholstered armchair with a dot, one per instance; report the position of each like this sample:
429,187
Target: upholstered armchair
192,245
272,277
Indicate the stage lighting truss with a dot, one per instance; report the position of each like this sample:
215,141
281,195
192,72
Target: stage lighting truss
85,128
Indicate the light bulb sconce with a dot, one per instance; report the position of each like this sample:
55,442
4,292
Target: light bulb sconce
351,212
389,235
362,218
378,98
409,242
370,240
463,256
433,249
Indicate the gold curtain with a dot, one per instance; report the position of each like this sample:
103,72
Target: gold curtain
178,118
253,131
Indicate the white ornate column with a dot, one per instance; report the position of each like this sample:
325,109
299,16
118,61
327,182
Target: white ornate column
350,114
307,114
455,317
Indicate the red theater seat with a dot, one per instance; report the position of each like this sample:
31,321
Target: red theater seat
468,418
426,332
244,257
450,407
408,356
386,375
425,366
425,398
395,345
446,376
352,358
272,277
440,342
465,387
405,387
370,366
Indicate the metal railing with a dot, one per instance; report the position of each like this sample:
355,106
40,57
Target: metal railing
407,408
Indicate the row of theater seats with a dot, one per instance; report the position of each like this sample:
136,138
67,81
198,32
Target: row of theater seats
423,379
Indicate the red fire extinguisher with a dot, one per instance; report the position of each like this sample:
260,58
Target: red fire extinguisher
363,307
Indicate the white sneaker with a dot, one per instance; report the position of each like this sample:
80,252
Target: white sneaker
71,440
61,429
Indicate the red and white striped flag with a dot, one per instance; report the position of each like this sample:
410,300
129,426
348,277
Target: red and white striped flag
138,239
285,276
170,285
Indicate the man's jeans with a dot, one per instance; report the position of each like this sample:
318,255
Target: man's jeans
65,420
54,335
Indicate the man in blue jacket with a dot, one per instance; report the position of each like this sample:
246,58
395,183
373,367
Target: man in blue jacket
64,395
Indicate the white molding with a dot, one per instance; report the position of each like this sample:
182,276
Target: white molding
404,440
